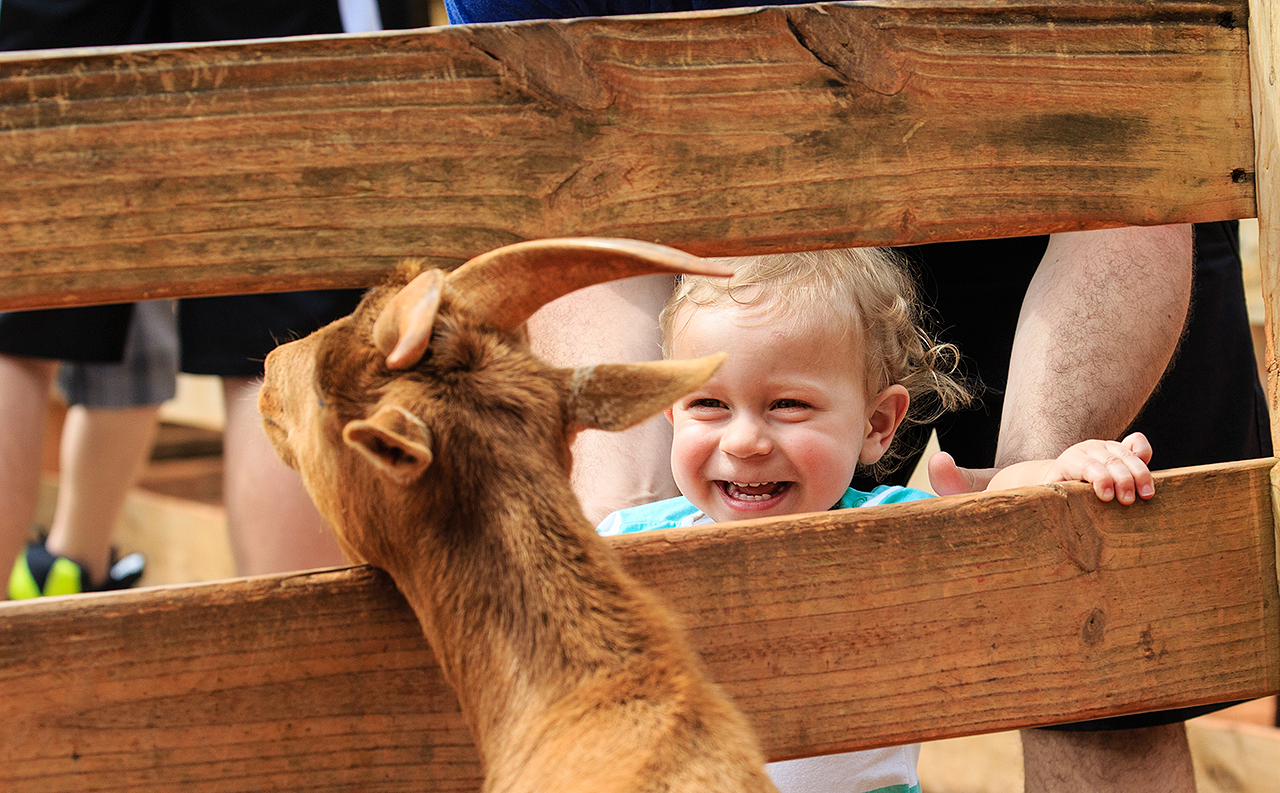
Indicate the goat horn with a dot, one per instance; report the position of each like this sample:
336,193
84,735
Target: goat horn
505,286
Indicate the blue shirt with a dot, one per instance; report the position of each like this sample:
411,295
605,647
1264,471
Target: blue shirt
675,512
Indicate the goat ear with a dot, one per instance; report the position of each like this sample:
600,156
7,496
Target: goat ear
617,396
394,440
403,329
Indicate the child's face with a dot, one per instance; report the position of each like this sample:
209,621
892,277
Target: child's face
783,424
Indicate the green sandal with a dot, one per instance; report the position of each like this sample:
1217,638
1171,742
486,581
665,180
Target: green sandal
38,573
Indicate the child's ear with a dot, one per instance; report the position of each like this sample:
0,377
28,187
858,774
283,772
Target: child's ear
884,415
670,413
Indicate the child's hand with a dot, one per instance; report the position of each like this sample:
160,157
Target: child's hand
948,479
1117,469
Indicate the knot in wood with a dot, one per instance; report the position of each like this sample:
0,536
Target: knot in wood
1095,626
1071,521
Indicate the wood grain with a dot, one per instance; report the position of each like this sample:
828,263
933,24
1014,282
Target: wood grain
258,166
834,631
1264,68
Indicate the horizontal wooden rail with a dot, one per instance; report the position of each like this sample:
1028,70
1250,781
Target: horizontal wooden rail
258,166
834,631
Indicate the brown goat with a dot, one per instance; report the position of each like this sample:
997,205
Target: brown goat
453,476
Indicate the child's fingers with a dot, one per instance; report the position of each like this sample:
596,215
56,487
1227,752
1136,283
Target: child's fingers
1126,489
945,477
1127,475
1134,453
1143,482
1097,472
1137,443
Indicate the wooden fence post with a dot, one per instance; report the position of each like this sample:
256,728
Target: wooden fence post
1264,71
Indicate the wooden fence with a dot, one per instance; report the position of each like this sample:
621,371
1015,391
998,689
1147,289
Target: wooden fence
185,170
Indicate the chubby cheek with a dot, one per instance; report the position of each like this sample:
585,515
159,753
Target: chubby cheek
826,462
692,446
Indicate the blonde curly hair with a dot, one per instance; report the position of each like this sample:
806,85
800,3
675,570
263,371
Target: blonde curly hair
866,294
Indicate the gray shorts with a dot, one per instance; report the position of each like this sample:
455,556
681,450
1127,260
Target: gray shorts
148,374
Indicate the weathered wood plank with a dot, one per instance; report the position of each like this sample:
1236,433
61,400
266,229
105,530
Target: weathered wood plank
833,631
319,162
1264,68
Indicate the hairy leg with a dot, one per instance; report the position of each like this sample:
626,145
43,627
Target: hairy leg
102,455
1083,361
1150,760
612,323
24,397
274,526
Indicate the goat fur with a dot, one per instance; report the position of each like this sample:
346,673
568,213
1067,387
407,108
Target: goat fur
453,476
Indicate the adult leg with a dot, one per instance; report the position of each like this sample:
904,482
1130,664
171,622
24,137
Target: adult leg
274,527
104,451
272,523
612,323
1147,760
108,434
1212,387
24,398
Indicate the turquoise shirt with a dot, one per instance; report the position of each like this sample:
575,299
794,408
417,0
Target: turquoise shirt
675,512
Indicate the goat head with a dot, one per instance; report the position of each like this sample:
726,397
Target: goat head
470,390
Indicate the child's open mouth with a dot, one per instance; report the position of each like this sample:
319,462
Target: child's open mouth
753,491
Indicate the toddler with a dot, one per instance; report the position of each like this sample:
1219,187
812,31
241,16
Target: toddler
826,361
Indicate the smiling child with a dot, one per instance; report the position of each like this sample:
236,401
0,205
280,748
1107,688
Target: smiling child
826,361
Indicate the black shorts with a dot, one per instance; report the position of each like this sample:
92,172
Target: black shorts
1210,406
50,24
227,336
